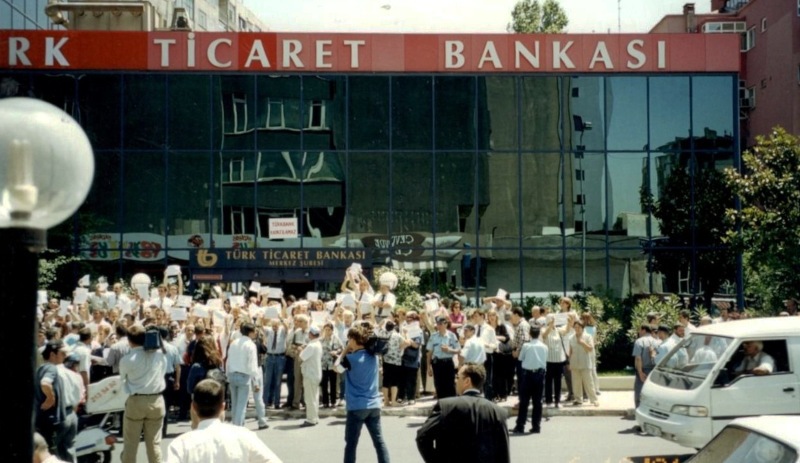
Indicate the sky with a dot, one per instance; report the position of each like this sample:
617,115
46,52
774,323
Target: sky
480,16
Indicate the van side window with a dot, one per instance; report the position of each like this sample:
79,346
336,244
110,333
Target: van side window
758,358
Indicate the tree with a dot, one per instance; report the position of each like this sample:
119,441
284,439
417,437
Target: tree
529,17
769,190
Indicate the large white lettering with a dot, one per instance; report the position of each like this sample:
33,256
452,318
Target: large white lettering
560,55
454,54
17,47
490,54
354,44
662,54
52,51
291,50
531,58
635,52
165,44
190,51
257,53
601,54
212,53
322,53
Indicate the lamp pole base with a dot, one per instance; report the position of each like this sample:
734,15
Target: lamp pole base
19,274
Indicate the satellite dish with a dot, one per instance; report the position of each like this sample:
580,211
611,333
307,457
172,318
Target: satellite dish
140,279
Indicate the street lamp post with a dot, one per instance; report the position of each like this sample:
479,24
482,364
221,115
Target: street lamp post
46,170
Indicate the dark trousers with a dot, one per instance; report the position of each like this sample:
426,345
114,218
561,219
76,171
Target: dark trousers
60,437
329,380
408,391
355,420
184,398
488,387
501,364
552,382
518,372
273,372
170,398
530,390
288,368
444,377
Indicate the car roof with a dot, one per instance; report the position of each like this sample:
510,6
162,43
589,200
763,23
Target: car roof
783,427
754,327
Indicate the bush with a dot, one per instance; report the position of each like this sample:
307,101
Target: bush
407,287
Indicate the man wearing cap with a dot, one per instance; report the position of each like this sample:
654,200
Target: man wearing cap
55,416
142,374
311,355
442,347
242,370
791,306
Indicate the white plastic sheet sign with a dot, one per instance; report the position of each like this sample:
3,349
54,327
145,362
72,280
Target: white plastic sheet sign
348,301
177,314
255,287
319,318
41,297
200,311
63,308
184,301
561,318
431,305
312,296
81,295
275,293
272,312
501,294
173,270
237,301
215,303
142,290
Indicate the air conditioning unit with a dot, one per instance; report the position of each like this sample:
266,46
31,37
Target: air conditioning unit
746,103
180,20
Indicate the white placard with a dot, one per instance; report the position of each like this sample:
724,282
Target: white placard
501,294
167,304
264,291
413,330
366,308
354,270
124,306
561,318
275,293
142,289
177,314
219,318
154,293
103,287
41,297
272,311
488,305
184,301
215,303
237,301
319,318
330,306
84,281
255,287
200,311
348,301
312,296
431,305
340,297
63,308
218,290
280,229
253,309
172,271
81,295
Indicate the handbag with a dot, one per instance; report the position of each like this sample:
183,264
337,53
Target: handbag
217,375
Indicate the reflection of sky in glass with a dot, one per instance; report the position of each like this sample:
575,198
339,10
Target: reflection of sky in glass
625,174
669,110
712,105
626,113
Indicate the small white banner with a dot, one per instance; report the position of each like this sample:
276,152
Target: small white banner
282,228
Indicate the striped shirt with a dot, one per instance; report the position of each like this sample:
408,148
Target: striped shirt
555,347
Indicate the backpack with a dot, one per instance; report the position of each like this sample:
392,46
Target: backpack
217,375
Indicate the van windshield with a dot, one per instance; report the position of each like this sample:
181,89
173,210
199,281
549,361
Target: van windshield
689,361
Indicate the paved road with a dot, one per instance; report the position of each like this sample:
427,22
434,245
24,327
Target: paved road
563,439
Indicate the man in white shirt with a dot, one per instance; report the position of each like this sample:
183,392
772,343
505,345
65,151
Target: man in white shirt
473,351
383,303
311,355
242,370
485,334
211,440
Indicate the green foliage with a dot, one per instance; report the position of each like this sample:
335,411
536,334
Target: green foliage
769,190
442,287
687,222
607,328
528,17
667,308
407,290
49,263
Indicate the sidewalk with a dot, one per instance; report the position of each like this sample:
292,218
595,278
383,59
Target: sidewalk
612,403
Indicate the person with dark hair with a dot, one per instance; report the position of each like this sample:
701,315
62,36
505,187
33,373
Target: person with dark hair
442,347
205,357
211,440
84,350
467,428
142,374
55,417
118,349
363,397
644,355
242,370
533,357
172,378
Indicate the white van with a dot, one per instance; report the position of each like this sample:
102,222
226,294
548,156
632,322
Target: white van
700,385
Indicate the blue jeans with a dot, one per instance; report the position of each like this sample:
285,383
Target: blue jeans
240,390
352,431
273,371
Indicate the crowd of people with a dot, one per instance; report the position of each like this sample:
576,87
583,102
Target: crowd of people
164,345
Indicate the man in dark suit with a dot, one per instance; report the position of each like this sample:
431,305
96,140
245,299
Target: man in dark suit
467,428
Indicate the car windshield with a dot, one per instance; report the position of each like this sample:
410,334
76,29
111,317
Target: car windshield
689,361
739,445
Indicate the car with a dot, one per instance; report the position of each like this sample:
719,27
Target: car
763,439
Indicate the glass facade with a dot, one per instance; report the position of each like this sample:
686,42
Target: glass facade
534,183
24,14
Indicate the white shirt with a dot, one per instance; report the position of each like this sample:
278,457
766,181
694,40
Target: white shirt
85,354
142,372
243,357
473,351
312,360
218,442
487,335
74,390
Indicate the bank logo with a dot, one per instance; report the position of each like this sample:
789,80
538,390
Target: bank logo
206,259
